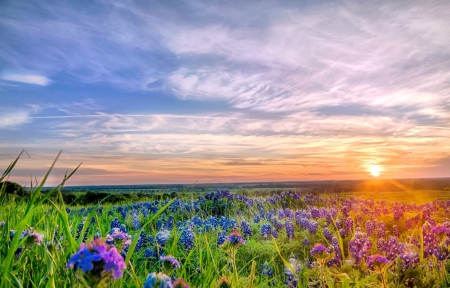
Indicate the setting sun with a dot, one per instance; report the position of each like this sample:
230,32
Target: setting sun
375,170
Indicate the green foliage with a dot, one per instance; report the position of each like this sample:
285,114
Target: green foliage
12,188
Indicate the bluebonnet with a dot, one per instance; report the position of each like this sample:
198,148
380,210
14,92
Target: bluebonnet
141,241
123,228
187,238
159,280
115,223
291,271
266,269
222,236
246,229
136,223
349,225
359,246
289,229
327,233
150,253
312,226
369,228
266,230
162,237
275,233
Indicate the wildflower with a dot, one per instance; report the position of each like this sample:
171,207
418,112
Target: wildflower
187,238
119,239
123,228
235,238
246,228
33,237
327,234
136,223
180,283
429,239
141,241
150,253
291,270
159,280
409,255
115,223
319,250
359,246
97,263
348,225
222,236
79,229
266,269
312,226
369,227
377,262
395,230
289,229
162,237
266,230
169,262
337,252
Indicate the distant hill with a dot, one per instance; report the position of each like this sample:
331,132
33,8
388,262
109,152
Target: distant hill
333,186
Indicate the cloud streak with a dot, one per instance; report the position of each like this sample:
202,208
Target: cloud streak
27,79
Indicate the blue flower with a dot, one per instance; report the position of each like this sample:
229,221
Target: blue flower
246,228
159,280
162,237
187,238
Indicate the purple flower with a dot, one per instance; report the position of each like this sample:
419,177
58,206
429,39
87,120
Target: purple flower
235,238
33,237
320,251
119,239
266,230
97,257
170,262
289,229
377,261
359,246
409,255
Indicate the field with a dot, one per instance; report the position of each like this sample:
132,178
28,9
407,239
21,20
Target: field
226,239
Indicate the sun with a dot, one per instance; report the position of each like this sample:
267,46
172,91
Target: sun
375,170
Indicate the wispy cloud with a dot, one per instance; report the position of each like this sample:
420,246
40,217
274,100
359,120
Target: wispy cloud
13,119
28,79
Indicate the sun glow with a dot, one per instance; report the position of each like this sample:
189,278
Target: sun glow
375,170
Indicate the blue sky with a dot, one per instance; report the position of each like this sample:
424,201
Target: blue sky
217,91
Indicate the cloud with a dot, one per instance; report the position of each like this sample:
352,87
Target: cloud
28,79
13,118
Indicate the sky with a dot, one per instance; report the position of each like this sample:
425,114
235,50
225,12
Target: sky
143,92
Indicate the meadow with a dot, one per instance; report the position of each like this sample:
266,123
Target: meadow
226,239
